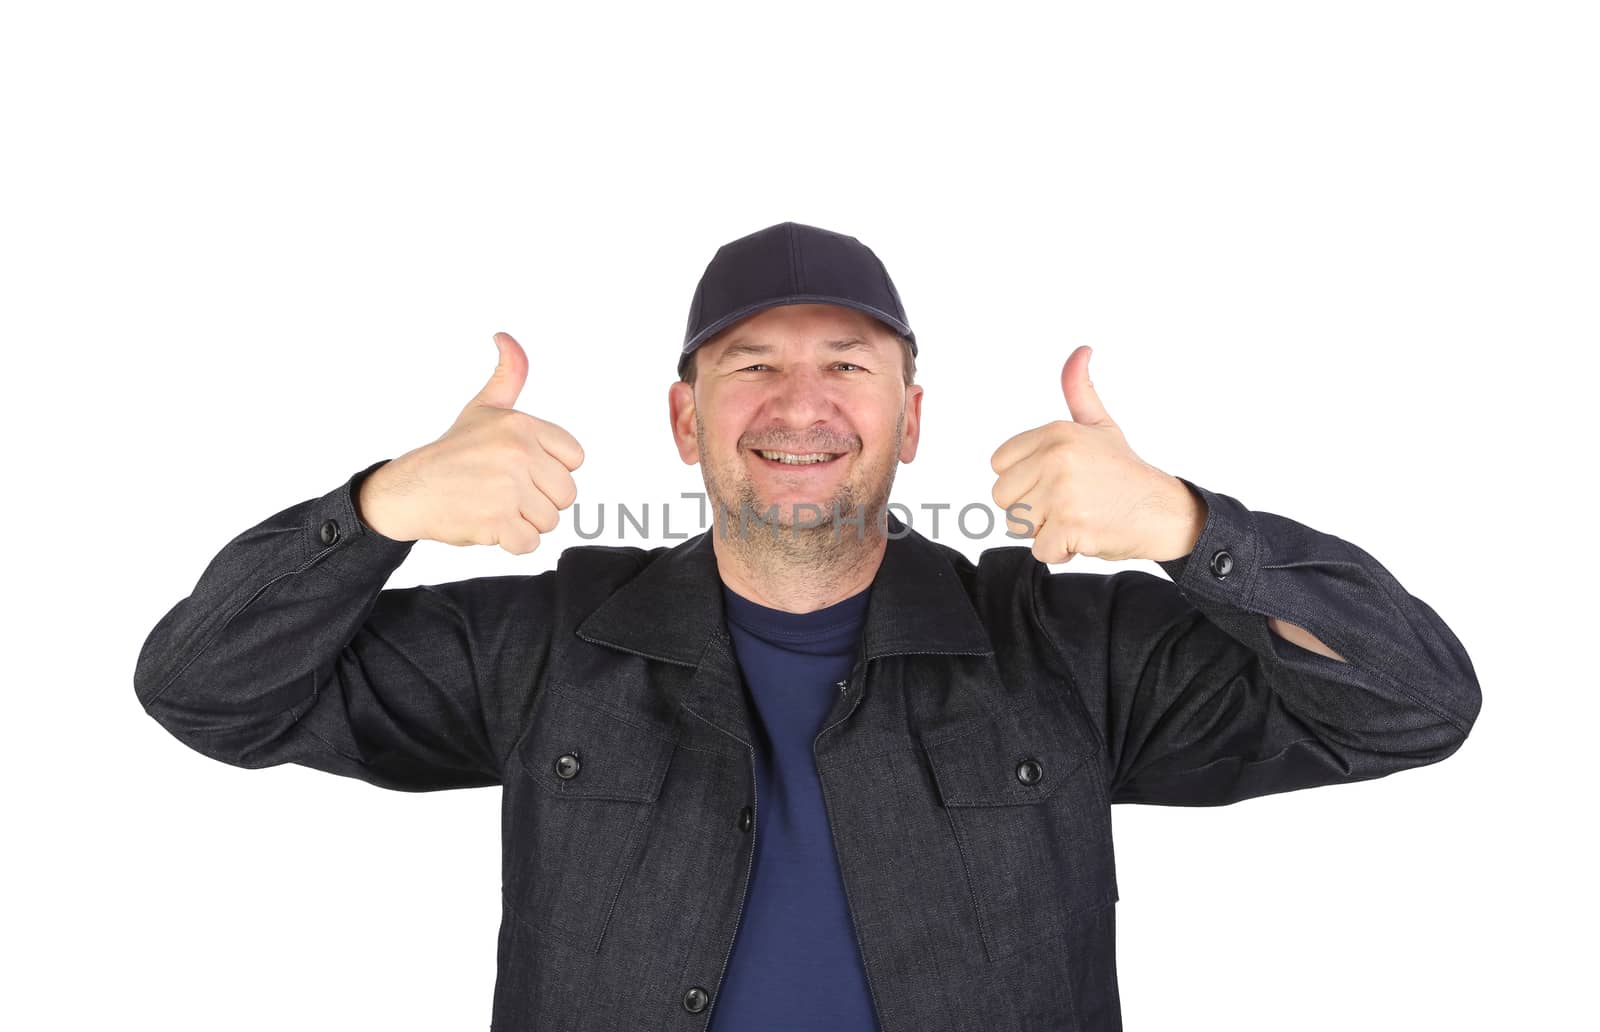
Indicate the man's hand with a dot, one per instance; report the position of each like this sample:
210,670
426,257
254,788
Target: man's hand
1083,489
496,477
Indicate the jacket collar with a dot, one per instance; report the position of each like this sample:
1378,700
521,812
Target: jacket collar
672,609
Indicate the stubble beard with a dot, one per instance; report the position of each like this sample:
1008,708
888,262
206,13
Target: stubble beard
801,538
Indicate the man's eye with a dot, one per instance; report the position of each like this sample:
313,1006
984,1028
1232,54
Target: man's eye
763,365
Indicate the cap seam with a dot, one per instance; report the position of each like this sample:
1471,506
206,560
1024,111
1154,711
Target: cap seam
794,262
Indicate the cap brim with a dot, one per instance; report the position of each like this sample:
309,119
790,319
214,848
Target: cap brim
707,332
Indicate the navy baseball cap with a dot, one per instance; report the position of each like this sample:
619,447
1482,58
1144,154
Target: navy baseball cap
789,264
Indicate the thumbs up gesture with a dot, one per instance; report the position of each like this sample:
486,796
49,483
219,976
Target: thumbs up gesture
1084,491
496,477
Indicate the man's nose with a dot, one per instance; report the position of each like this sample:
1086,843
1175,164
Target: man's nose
801,397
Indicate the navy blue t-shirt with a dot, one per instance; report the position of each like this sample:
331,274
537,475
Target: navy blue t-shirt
795,965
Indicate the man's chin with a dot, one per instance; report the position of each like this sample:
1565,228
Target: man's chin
799,520
818,523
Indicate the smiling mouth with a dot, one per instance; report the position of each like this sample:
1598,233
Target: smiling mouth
783,458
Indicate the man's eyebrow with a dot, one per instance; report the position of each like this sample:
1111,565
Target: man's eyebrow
740,347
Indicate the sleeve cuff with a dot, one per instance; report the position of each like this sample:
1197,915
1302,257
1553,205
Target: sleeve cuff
342,543
1226,558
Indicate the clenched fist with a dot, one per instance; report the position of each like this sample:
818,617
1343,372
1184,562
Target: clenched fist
496,477
1085,491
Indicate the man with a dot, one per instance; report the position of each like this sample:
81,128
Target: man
808,769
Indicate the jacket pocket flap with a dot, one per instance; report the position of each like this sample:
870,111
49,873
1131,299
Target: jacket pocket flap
996,764
580,751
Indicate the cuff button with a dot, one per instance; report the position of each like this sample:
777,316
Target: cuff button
1221,564
330,531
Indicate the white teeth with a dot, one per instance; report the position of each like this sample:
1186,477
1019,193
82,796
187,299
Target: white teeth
794,460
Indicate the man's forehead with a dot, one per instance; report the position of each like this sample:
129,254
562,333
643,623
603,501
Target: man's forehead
740,345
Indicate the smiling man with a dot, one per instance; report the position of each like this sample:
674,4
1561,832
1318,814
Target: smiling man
809,769
798,417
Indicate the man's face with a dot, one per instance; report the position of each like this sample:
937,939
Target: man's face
799,381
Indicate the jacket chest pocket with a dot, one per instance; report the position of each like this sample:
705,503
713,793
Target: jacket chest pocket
1032,823
590,779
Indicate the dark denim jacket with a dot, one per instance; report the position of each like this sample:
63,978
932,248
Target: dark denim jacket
995,712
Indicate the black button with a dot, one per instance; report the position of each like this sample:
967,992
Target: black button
695,1000
1029,772
746,819
1221,564
567,766
330,531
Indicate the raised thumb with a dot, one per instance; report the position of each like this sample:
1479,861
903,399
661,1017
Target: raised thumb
509,375
1082,401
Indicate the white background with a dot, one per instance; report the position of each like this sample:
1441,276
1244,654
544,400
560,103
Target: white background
1337,261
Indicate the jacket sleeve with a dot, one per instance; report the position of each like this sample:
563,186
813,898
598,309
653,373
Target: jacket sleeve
1199,703
289,650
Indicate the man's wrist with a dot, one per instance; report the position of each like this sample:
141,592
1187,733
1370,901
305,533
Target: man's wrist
1184,525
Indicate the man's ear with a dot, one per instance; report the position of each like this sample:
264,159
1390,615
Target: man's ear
913,428
681,410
